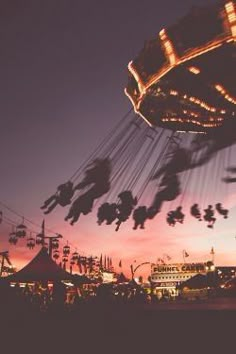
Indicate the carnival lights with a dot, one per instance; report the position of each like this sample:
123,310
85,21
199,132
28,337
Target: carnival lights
231,14
202,58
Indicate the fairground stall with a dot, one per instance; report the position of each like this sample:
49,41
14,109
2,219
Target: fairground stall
166,278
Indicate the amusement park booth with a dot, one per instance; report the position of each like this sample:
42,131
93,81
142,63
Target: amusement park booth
167,278
195,288
41,269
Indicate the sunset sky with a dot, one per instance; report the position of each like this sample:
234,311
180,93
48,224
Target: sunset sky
63,72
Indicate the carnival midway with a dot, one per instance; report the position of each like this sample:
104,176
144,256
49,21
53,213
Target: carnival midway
45,285
170,156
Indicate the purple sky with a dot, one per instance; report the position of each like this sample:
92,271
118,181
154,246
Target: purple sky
63,71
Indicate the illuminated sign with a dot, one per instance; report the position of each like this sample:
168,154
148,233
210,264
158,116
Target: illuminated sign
166,285
179,268
108,277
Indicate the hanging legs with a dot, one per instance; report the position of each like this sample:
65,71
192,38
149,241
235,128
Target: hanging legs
53,200
209,216
139,216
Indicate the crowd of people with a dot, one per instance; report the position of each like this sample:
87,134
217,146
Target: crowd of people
57,296
37,295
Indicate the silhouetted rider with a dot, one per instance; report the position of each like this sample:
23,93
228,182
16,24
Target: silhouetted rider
62,197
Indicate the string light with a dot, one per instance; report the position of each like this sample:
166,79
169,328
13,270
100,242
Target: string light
224,93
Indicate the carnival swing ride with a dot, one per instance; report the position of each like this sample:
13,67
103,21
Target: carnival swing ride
182,88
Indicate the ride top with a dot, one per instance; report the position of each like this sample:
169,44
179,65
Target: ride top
184,78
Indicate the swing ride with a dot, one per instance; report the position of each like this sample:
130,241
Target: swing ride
182,81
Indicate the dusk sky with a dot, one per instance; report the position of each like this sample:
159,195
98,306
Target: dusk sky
63,73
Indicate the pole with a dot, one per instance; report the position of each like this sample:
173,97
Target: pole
132,271
50,247
213,255
4,255
43,232
50,239
2,265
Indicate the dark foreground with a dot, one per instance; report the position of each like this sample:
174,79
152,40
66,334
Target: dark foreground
104,328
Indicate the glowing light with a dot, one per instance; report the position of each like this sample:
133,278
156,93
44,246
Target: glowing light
169,49
193,54
202,50
231,15
224,93
136,110
146,120
130,98
174,61
190,131
173,93
137,77
197,101
186,120
165,69
194,70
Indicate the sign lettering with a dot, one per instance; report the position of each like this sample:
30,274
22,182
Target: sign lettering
179,268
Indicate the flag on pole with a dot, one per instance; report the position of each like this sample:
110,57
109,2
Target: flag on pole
120,264
185,254
160,260
212,251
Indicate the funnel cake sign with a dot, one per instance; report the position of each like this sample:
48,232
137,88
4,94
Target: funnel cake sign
179,268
